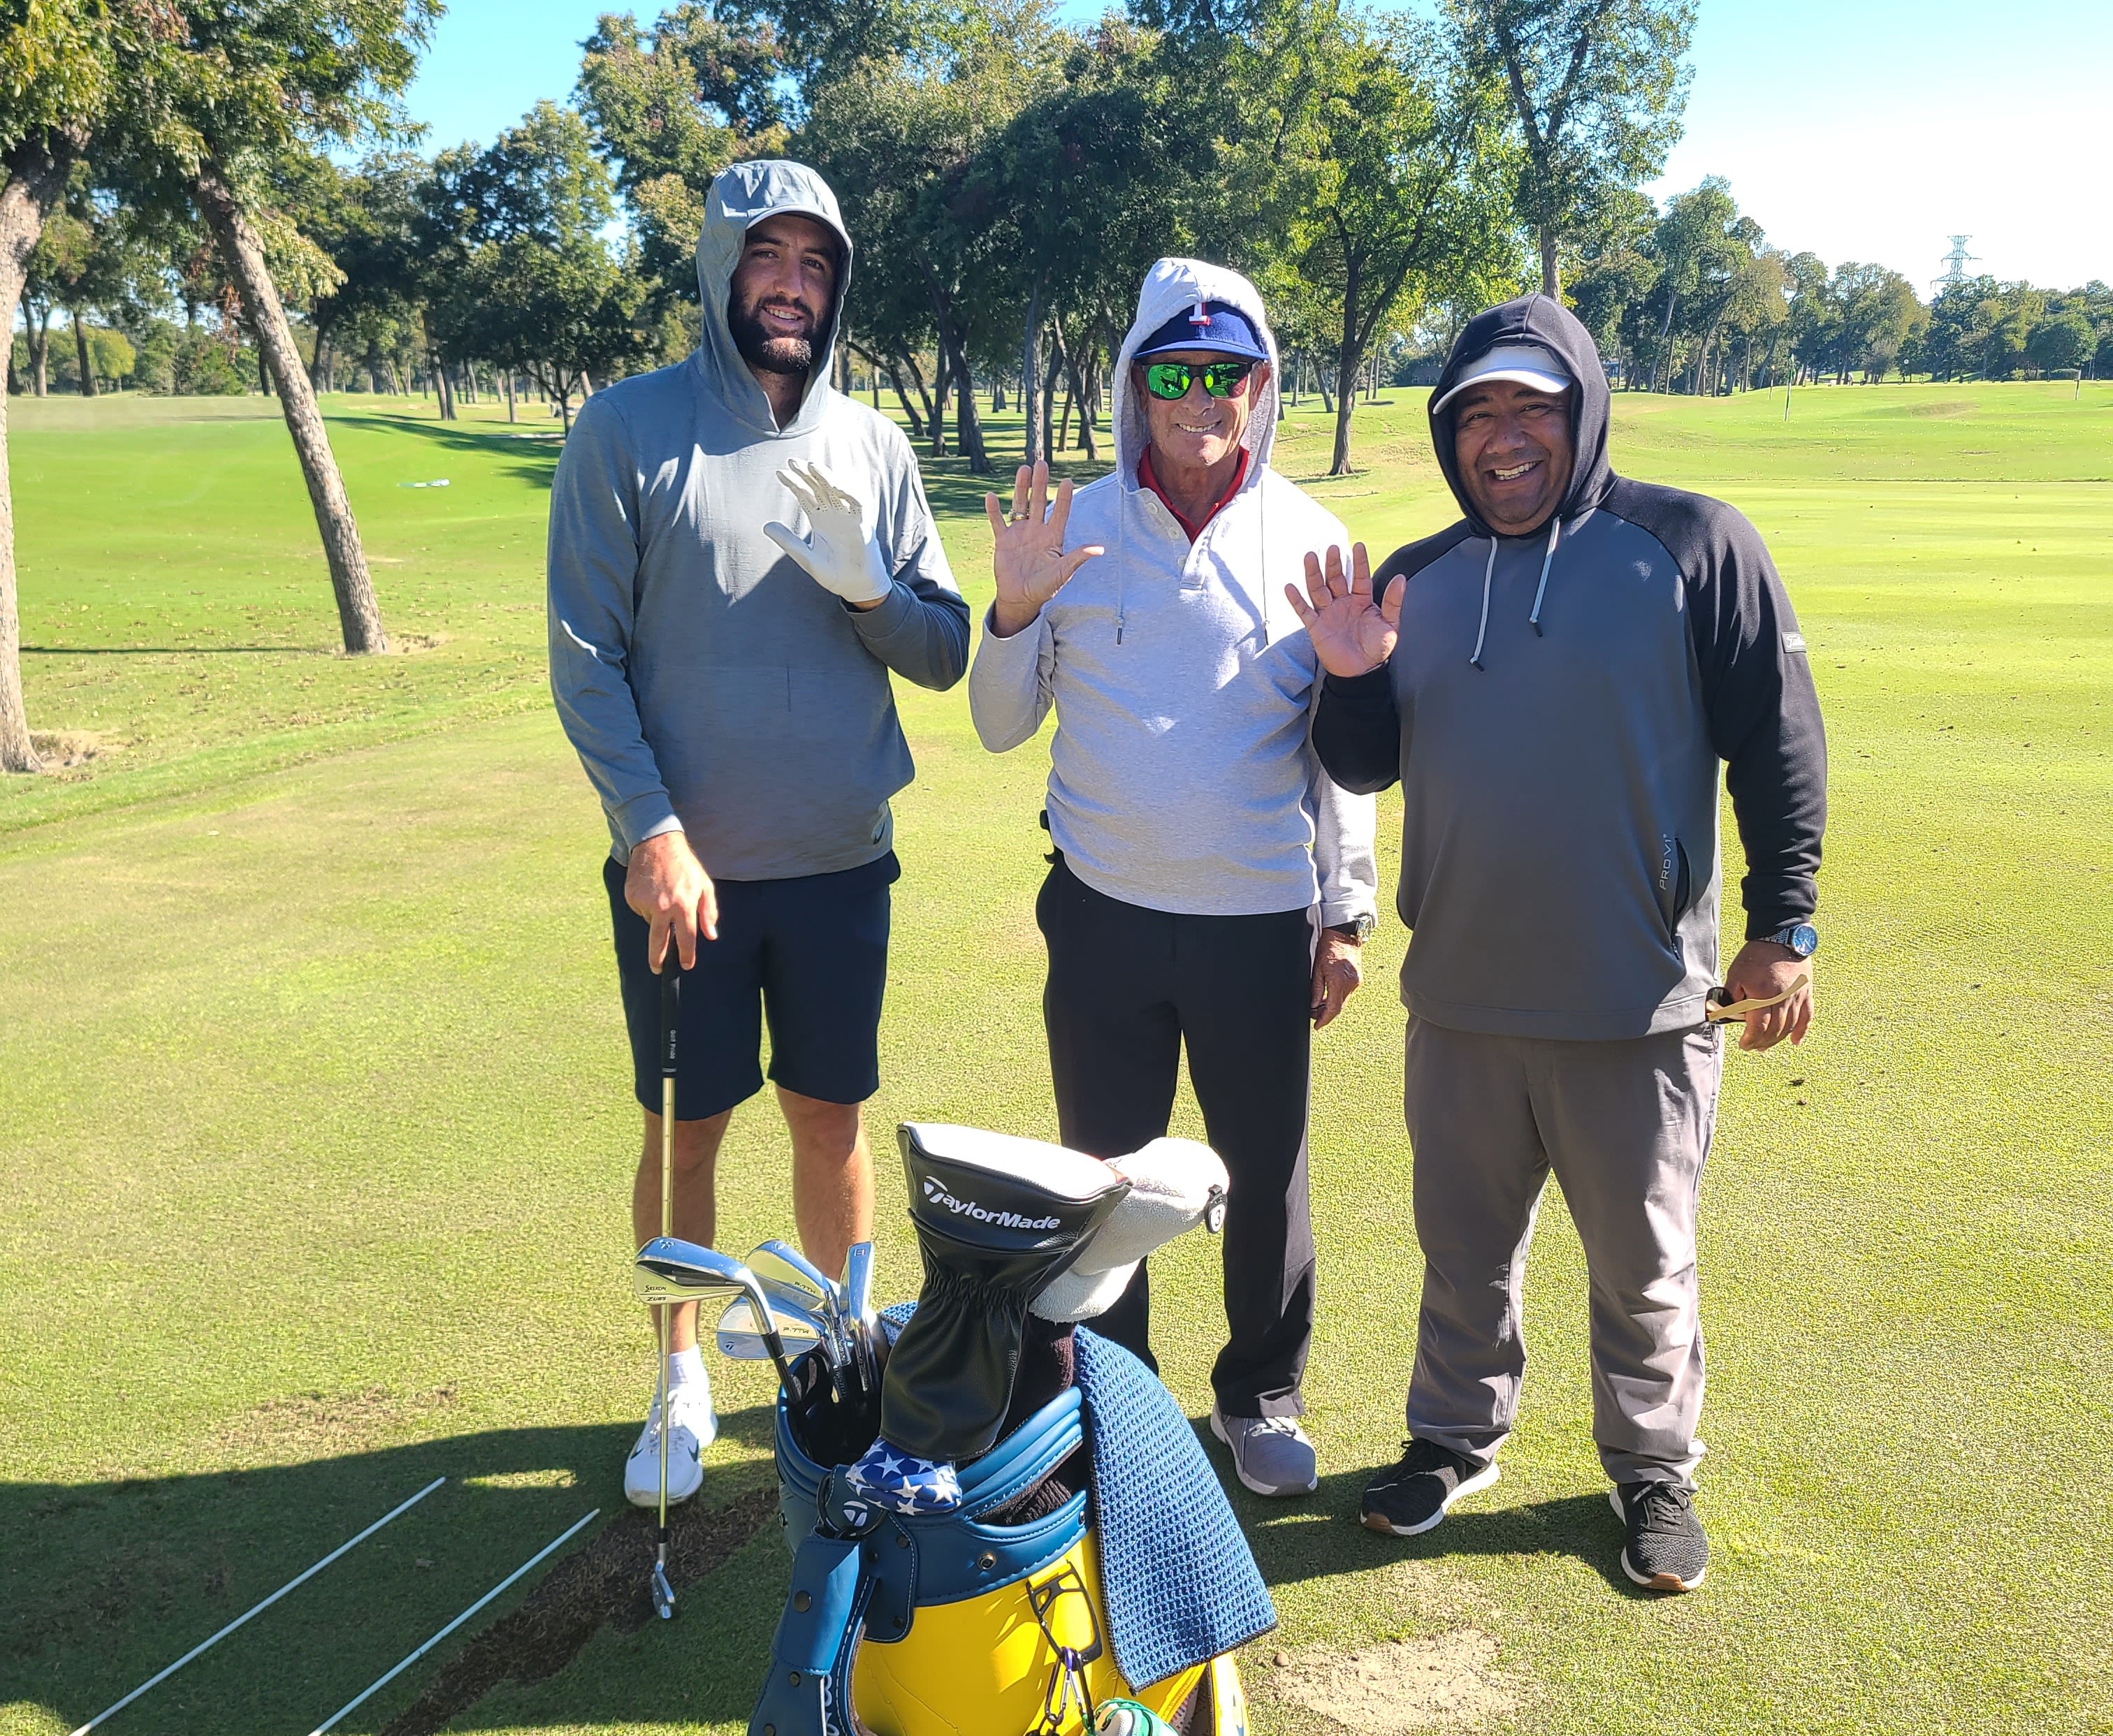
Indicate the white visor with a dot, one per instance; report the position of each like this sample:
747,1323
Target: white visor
1528,364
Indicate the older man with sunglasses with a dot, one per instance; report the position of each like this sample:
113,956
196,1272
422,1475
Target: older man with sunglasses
1211,886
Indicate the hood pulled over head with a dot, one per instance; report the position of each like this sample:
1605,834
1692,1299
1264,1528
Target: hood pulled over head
742,196
1539,321
1175,286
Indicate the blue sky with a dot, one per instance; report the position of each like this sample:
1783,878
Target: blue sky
1869,130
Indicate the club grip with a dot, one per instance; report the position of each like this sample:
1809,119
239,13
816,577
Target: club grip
671,1008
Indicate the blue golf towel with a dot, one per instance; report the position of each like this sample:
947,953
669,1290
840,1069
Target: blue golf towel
1180,1582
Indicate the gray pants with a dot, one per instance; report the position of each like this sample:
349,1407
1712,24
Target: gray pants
1625,1128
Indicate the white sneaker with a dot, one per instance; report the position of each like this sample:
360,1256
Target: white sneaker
691,1428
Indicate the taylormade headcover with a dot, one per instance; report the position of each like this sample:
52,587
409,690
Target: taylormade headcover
836,552
996,1219
1175,1185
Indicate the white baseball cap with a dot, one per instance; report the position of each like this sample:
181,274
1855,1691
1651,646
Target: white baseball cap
1528,364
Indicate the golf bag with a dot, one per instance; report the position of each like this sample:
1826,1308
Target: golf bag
1092,1555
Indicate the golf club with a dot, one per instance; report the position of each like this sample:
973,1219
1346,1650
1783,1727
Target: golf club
797,1279
669,1269
794,1302
863,1322
671,1008
741,1342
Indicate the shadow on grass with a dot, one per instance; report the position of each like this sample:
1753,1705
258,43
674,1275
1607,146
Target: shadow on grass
177,651
1291,1548
514,450
103,1584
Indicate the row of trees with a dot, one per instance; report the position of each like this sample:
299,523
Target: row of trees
1693,297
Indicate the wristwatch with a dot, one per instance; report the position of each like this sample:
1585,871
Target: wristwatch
1801,938
1357,930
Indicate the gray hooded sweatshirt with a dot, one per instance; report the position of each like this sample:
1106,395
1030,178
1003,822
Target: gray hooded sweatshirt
1182,777
708,684
1557,710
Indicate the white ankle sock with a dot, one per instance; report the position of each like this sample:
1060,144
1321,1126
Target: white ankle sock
685,1367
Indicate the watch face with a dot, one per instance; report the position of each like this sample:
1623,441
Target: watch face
1802,940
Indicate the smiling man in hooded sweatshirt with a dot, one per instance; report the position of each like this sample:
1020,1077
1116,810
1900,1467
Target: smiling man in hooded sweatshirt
1211,886
725,679
1554,680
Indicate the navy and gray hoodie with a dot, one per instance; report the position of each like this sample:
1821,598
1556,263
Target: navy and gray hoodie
710,685
1555,709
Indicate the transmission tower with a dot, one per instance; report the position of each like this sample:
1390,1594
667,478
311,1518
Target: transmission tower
1955,263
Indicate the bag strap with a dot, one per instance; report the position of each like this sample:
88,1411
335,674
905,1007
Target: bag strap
807,1692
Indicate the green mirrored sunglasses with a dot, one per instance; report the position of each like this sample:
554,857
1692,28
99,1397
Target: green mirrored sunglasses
1172,379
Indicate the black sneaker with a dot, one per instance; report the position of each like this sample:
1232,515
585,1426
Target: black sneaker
1665,1549
1414,1495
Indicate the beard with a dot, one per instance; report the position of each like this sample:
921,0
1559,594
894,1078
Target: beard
770,352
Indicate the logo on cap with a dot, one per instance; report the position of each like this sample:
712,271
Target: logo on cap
1201,318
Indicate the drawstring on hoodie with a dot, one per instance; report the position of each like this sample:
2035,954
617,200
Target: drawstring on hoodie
1482,632
1489,572
1555,530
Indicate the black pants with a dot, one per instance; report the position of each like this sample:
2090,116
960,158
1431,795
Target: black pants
1127,986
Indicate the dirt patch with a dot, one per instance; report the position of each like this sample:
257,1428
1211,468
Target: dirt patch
306,1425
64,750
1449,1681
604,1582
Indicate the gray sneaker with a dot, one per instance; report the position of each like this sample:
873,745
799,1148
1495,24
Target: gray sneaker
1270,1454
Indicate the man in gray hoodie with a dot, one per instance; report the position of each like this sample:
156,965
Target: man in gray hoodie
725,679
1212,885
1555,680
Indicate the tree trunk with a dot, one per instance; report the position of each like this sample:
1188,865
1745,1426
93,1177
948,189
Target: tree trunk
1347,359
909,410
81,357
1550,284
38,331
968,421
1664,358
360,617
35,181
443,387
1346,369
1034,447
937,425
1049,370
924,396
510,394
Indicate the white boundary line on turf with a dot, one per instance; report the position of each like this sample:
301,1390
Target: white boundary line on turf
257,1608
375,1687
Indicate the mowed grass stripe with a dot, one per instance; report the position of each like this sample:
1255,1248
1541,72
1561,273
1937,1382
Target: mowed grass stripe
323,1058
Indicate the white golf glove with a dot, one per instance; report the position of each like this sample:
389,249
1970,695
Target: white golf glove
1175,1184
836,552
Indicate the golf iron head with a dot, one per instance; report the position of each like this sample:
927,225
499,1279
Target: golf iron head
861,1320
664,1593
739,1341
669,1269
791,1277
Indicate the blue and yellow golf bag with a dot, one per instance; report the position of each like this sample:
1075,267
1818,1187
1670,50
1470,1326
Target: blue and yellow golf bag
1092,1558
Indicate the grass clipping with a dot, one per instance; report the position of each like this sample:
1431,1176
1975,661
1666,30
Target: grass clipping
1448,1681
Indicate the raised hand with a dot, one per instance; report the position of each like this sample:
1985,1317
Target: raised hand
1026,550
836,552
1352,634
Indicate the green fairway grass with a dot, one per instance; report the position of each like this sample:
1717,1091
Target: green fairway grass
315,1136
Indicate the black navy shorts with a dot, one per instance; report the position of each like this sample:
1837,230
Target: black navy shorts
809,955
